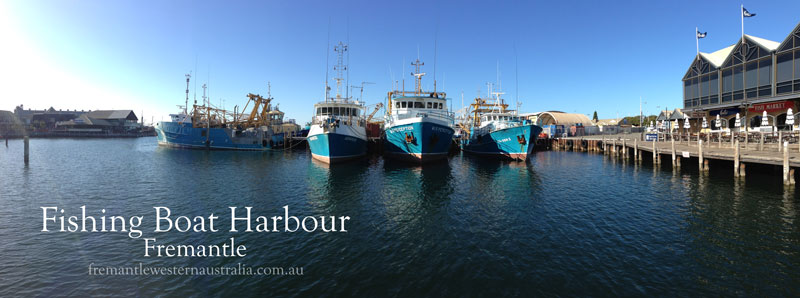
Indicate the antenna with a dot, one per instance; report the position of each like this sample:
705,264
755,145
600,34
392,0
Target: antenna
361,97
269,90
185,106
435,41
327,58
348,59
516,77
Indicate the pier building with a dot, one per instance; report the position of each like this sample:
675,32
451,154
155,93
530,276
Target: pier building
749,77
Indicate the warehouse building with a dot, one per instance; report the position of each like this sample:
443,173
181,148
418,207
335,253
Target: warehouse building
749,77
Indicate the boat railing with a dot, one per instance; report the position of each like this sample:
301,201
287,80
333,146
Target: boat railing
342,120
443,115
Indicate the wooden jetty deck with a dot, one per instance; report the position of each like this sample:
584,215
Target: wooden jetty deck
679,151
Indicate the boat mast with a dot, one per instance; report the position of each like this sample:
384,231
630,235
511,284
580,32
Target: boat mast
418,75
340,67
186,105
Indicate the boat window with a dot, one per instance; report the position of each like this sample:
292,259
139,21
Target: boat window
355,112
418,105
319,111
397,104
441,106
403,105
430,105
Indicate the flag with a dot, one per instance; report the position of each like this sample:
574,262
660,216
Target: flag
746,13
701,35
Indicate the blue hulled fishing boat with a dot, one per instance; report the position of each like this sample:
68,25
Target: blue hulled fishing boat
419,125
496,131
338,129
212,128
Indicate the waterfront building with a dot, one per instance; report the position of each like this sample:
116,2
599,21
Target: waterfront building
749,77
102,121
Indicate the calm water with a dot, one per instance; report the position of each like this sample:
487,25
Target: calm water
562,223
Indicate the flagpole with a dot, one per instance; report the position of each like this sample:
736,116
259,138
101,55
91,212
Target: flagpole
697,40
741,14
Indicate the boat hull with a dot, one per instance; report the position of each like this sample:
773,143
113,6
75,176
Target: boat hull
183,135
332,147
510,143
419,141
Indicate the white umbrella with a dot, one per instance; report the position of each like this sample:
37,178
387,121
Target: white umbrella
738,121
789,117
705,123
764,119
717,122
686,124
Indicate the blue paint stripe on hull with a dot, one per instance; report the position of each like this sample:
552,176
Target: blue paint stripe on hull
332,147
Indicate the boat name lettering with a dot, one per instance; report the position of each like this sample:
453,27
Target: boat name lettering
314,138
399,129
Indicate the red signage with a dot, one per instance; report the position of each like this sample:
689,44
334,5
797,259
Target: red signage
771,106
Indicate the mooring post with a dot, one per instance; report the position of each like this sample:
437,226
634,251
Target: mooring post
614,148
674,163
708,138
636,149
624,149
780,140
655,155
788,175
761,142
736,159
27,149
700,154
719,137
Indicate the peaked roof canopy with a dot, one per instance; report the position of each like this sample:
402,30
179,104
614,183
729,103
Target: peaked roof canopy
748,47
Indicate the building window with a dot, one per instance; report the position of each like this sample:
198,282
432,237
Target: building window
765,77
751,79
784,73
738,78
797,71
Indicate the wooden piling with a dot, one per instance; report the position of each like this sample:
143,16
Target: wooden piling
787,178
736,159
761,143
624,149
674,164
656,158
700,154
780,140
27,146
636,149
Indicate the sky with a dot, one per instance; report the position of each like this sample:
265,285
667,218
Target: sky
571,56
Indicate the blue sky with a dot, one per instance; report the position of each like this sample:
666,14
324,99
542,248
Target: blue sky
573,56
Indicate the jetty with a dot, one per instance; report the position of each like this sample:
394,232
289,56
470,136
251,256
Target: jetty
676,150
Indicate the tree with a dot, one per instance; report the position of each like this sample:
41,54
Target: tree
595,116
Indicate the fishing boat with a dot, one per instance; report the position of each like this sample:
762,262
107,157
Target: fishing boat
496,131
419,125
338,128
212,128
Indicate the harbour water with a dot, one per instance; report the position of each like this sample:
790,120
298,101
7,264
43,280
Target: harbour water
561,223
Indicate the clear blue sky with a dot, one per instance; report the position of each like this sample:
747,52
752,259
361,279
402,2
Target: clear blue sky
573,56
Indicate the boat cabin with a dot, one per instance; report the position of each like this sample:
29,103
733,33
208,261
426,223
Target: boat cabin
337,110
